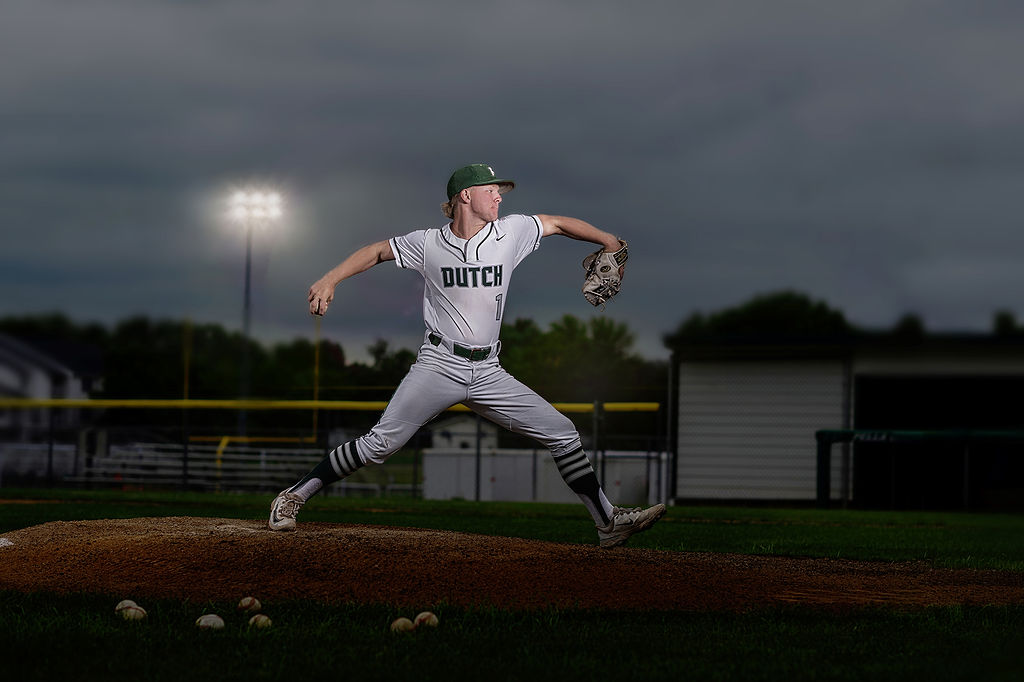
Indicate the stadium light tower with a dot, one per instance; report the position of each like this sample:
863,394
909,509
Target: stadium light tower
252,209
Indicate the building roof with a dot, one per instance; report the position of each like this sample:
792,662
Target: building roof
22,354
768,346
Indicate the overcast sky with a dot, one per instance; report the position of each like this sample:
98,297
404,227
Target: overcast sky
869,154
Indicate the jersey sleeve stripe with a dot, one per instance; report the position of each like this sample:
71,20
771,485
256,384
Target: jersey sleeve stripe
398,252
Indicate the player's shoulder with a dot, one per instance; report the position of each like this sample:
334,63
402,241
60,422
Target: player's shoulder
416,236
515,218
518,222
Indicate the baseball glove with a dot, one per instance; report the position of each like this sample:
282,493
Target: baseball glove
604,271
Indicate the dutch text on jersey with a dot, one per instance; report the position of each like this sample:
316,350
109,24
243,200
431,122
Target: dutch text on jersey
472,277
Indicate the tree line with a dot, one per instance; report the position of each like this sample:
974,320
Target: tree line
793,316
142,358
572,360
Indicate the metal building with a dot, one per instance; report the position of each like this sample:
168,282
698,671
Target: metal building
747,412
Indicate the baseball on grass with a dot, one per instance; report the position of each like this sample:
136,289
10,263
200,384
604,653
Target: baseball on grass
259,621
426,619
123,604
210,621
129,610
402,625
249,605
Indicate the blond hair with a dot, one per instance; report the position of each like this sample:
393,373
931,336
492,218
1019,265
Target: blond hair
448,207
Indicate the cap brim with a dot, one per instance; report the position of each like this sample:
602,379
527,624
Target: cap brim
503,185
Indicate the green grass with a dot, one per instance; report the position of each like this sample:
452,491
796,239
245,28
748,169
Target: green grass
78,637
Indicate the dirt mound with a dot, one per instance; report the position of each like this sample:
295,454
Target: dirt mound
223,559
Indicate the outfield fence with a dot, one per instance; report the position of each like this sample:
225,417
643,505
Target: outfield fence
196,445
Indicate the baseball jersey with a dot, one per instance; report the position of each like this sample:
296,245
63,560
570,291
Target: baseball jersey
466,281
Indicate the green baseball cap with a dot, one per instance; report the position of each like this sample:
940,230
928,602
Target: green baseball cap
473,175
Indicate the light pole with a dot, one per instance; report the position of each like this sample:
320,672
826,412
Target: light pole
252,209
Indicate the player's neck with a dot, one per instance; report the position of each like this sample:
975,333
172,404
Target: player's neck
466,226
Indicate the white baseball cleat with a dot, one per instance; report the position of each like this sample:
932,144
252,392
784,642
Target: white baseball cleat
626,522
283,511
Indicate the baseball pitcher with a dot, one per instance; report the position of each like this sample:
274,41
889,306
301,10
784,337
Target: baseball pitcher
467,266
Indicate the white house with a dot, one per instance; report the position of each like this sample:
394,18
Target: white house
27,372
461,433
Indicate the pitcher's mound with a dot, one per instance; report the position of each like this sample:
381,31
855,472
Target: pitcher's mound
224,559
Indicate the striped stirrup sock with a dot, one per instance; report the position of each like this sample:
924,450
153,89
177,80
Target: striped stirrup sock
342,461
573,466
345,460
579,475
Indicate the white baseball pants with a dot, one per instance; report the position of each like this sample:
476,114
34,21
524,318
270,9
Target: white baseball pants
439,379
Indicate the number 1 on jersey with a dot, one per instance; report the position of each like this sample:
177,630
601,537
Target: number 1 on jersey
497,313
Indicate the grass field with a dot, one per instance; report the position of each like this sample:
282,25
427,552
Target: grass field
78,637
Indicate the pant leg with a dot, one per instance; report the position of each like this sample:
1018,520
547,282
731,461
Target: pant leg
498,396
434,383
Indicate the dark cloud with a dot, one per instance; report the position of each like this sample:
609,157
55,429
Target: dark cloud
865,153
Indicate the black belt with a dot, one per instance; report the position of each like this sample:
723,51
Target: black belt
472,354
